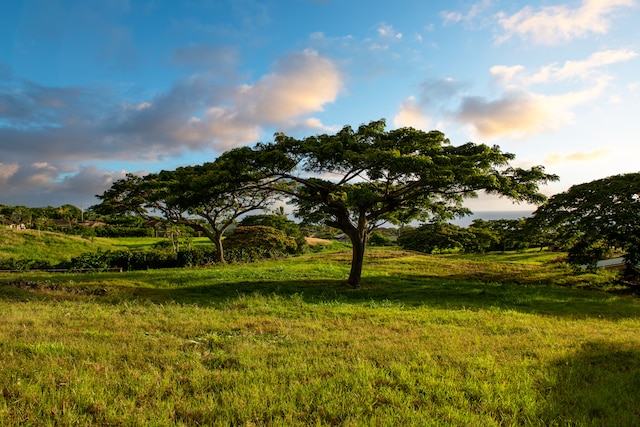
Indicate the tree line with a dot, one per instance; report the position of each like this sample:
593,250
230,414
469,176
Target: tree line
357,180
354,180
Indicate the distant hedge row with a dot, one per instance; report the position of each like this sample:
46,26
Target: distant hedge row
145,260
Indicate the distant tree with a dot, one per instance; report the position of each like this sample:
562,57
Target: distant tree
68,212
278,221
359,179
438,236
501,234
602,211
377,238
272,220
260,241
21,215
206,198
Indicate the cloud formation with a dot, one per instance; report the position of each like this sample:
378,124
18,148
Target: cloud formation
551,25
300,84
518,113
522,111
577,157
411,115
43,130
475,10
588,69
527,102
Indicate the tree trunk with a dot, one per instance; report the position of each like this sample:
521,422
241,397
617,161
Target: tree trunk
219,249
215,237
358,242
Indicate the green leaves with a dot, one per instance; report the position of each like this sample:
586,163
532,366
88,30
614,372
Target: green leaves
353,180
605,209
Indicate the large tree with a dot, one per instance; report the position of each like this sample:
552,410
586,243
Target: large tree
205,198
594,215
355,180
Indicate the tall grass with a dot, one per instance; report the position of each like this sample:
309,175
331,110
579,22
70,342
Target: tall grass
427,340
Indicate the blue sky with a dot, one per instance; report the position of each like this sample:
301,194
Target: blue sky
91,90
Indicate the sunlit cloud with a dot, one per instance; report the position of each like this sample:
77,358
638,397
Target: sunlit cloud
47,128
587,69
516,113
550,25
300,84
578,157
411,115
519,111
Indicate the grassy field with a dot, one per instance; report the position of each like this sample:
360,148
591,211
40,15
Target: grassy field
50,247
427,340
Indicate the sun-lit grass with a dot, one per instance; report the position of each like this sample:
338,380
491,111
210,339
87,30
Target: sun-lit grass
427,340
138,243
529,256
47,246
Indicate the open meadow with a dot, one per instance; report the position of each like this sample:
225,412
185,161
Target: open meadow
427,340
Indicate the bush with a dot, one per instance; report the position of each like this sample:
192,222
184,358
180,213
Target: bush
23,264
434,237
112,231
259,241
379,239
279,222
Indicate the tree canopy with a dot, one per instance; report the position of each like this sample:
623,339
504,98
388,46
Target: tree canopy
356,180
202,197
589,216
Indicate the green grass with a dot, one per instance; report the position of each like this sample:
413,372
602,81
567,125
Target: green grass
427,340
49,247
141,243
529,256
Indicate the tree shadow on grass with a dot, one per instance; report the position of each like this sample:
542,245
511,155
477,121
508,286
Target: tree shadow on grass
598,385
407,291
450,292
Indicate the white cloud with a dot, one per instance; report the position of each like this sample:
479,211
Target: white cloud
300,84
583,70
515,113
7,170
634,87
474,11
387,31
90,180
520,111
46,129
410,115
308,125
551,25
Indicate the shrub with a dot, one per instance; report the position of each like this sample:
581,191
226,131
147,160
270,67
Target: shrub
434,237
379,239
259,241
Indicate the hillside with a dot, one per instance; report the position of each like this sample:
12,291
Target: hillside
29,245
